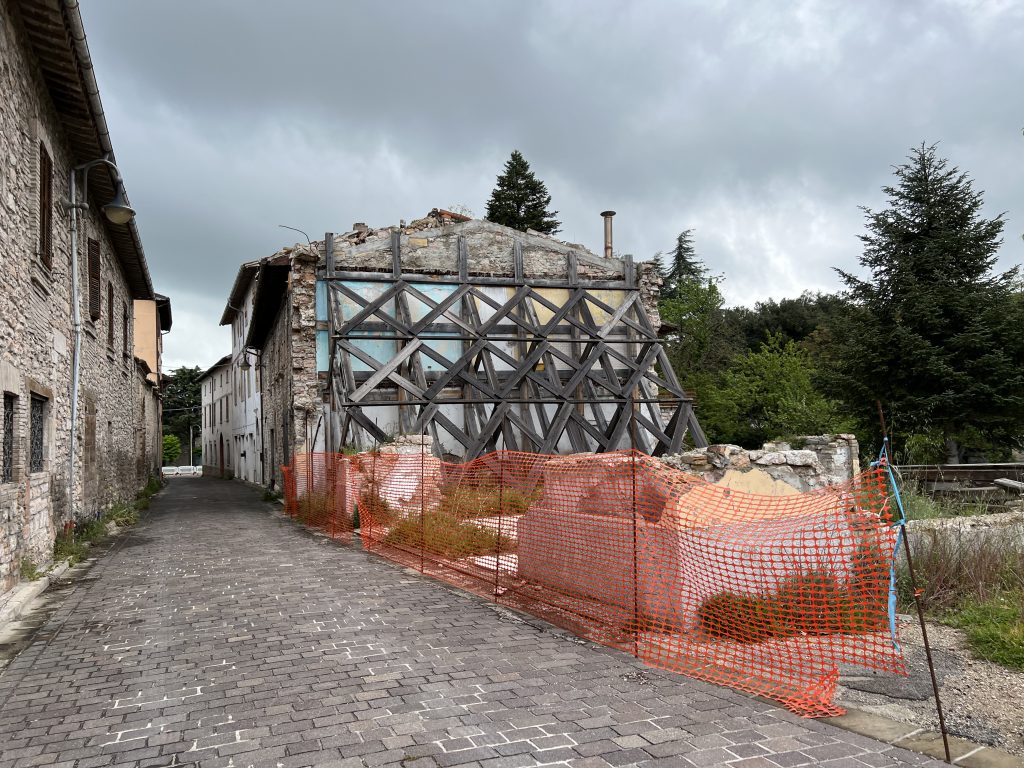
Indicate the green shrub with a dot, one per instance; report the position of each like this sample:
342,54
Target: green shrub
442,534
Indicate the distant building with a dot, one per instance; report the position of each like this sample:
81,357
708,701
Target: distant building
246,444
51,121
216,389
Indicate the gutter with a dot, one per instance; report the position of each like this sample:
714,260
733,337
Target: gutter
73,18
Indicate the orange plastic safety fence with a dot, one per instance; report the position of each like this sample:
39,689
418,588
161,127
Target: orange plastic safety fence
318,491
765,594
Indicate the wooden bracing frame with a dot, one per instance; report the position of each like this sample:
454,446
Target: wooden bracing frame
485,363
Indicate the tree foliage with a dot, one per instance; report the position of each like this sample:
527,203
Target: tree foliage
182,402
933,333
702,341
171,449
796,319
520,200
683,266
765,395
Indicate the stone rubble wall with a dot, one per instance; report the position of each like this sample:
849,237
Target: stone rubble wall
36,334
777,468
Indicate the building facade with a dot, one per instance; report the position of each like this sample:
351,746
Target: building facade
484,337
246,446
51,121
217,398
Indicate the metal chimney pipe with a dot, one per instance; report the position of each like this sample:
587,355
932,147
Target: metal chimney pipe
608,233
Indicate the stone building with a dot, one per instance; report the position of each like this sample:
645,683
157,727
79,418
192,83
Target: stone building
246,444
216,391
51,122
481,335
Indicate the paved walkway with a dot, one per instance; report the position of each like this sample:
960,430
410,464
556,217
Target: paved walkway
218,634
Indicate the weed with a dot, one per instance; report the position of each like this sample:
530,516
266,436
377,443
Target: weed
65,547
442,534
812,603
123,515
91,529
955,571
994,628
485,501
29,571
269,495
919,505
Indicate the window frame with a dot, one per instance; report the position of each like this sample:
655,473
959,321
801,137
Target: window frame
44,244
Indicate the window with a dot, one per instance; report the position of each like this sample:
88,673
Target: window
124,329
37,417
95,286
110,316
45,207
7,447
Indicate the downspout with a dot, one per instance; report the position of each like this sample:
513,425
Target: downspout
76,325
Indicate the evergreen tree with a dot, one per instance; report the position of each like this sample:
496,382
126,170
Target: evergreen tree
520,200
934,334
683,266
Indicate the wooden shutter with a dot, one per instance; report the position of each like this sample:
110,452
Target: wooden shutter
45,207
124,328
110,315
95,287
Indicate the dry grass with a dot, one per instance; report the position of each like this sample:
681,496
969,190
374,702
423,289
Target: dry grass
444,535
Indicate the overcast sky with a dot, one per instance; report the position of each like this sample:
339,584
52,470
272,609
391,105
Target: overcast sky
762,125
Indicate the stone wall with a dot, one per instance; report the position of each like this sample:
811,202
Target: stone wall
290,395
36,335
777,468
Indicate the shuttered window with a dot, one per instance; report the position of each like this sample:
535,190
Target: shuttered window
124,329
110,315
45,207
95,288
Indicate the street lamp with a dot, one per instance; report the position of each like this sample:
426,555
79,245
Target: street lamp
191,444
117,211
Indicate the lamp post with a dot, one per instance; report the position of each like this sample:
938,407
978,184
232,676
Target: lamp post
117,211
191,444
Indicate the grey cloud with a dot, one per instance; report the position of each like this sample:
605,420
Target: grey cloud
762,126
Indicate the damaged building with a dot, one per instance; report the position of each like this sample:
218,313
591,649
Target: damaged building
481,336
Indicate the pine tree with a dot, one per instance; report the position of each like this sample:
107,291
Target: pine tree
683,265
520,200
934,334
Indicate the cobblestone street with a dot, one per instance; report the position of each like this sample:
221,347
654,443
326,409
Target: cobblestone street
218,634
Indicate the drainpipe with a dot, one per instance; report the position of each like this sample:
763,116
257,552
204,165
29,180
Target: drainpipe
76,325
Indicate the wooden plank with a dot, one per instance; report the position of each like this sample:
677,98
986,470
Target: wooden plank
371,309
372,276
462,256
1009,485
396,254
386,370
517,261
377,364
